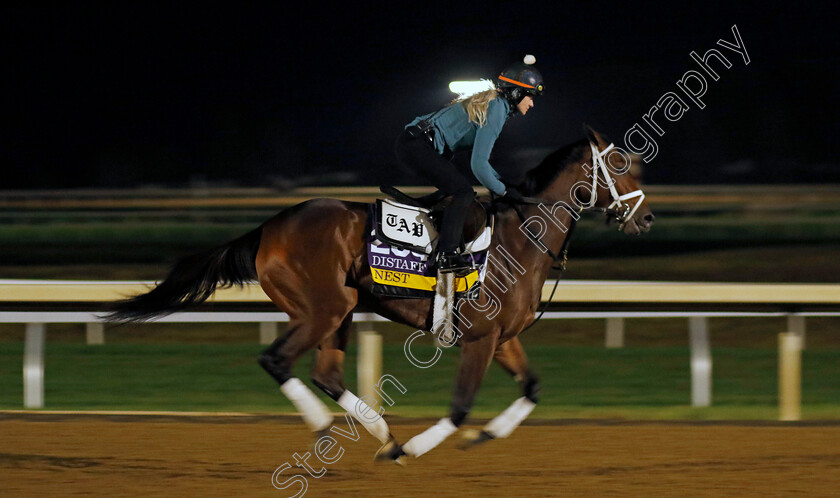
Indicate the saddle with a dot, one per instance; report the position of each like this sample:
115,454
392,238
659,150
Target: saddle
401,244
412,222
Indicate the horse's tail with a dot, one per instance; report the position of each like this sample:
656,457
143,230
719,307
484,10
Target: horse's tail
193,279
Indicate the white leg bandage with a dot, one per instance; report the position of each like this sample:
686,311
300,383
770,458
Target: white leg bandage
354,406
442,315
313,410
510,419
430,438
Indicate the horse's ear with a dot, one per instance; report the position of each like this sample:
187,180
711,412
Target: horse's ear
591,134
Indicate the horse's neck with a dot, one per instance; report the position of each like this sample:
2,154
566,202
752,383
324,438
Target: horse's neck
530,253
557,207
559,188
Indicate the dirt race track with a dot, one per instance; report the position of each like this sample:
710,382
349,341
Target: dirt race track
83,455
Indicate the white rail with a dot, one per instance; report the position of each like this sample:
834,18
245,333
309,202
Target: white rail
46,293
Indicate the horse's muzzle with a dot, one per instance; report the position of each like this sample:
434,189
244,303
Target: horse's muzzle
640,223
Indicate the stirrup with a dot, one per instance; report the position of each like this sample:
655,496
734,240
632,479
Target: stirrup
453,262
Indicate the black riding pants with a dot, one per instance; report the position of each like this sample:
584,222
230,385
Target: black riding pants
420,156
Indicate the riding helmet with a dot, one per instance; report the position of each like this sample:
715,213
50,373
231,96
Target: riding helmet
520,79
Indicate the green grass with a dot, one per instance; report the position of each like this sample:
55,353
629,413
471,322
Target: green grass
646,383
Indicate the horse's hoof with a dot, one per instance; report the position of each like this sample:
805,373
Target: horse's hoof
318,436
474,438
390,451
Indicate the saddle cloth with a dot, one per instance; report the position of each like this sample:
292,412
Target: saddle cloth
399,246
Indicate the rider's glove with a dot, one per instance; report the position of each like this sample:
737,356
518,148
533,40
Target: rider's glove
512,195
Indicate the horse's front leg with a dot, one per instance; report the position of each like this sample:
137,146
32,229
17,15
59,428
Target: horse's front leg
511,357
475,358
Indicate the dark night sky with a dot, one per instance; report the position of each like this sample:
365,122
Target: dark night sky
126,96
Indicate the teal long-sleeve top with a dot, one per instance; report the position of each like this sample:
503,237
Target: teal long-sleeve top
453,129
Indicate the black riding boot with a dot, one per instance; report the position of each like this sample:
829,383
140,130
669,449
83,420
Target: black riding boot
451,229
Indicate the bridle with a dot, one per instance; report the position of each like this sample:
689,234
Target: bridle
618,209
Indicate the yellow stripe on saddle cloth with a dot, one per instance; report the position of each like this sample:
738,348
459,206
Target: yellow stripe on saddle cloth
419,282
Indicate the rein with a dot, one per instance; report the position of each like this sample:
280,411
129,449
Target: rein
618,209
562,256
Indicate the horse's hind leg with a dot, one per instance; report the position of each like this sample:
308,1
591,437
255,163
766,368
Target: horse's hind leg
306,330
511,357
304,257
328,375
328,371
277,360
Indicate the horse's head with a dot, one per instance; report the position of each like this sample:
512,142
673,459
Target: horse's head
616,192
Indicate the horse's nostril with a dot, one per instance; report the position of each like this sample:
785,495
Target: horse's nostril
649,218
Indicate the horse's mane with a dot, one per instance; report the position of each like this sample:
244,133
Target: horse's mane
538,179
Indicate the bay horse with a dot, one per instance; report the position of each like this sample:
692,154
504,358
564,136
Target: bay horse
311,261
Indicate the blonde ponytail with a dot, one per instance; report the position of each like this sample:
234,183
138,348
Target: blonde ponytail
476,105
